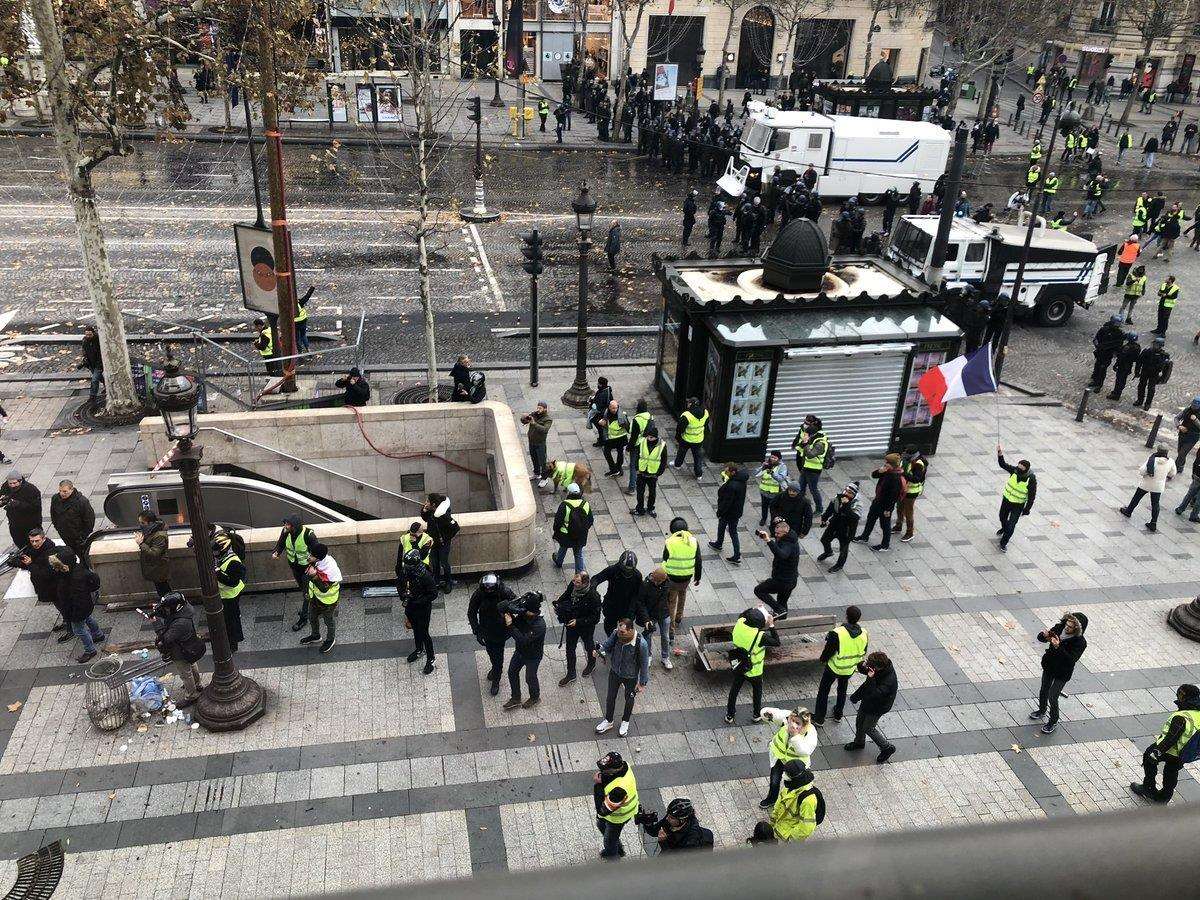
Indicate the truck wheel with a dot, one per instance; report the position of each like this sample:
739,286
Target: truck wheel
870,199
1055,312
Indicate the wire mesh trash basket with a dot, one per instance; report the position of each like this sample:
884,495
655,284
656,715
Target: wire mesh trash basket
107,705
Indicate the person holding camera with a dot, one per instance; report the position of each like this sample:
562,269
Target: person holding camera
487,623
840,521
538,425
679,829
324,578
578,610
418,606
874,697
654,611
794,741
1066,646
628,656
888,491
785,568
624,584
772,475
527,628
442,527
812,447
175,638
750,641
22,503
615,795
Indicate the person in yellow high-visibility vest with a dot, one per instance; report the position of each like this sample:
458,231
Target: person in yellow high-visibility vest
1178,743
615,796
615,425
681,559
231,581
690,435
639,426
650,460
772,475
795,739
294,541
1168,296
324,589
264,343
1017,500
752,637
800,807
845,647
302,321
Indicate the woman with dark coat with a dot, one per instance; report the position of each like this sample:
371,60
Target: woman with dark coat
1066,646
152,551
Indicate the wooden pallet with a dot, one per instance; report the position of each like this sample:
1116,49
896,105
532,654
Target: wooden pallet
801,639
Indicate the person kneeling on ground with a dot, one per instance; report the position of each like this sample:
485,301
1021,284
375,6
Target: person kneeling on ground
679,829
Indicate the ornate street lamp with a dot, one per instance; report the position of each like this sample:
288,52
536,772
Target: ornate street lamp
231,701
579,394
496,101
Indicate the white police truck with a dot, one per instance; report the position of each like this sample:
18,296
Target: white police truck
1064,270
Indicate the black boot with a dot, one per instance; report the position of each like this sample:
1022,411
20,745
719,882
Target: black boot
587,670
414,656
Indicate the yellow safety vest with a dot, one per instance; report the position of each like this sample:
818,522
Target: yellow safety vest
1016,491
1032,175
1035,154
615,428
269,349
573,505
328,596
650,459
1050,188
1167,295
229,591
301,314
296,548
693,433
1141,214
629,808
749,639
815,462
914,487
1135,287
851,651
643,420
1191,724
424,543
682,550
564,473
782,748
794,816
767,483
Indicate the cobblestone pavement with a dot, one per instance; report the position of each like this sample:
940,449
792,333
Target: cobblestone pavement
362,767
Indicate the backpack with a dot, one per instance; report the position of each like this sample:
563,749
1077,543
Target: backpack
739,657
830,454
820,811
1190,752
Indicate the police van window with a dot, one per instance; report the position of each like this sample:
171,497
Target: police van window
952,253
780,139
974,252
815,140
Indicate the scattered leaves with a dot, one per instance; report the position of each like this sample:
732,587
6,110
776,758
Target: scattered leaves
1015,748
13,707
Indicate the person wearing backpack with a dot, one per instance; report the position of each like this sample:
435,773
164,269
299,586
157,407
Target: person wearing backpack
1066,646
750,640
1155,472
175,638
628,656
572,523
1178,744
800,807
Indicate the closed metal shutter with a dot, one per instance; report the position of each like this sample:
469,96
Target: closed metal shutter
853,389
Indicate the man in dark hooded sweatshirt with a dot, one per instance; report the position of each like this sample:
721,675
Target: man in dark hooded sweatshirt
1067,644
22,503
875,697
357,392
624,585
793,507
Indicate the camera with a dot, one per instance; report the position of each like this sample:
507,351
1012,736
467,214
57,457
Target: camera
645,817
518,606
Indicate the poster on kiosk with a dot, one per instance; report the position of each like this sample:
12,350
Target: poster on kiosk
666,81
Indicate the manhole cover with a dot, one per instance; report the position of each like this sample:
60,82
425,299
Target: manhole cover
419,393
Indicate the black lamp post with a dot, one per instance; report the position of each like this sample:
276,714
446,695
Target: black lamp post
231,701
698,86
496,101
579,394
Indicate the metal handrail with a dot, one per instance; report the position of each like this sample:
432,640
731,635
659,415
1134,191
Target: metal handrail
311,465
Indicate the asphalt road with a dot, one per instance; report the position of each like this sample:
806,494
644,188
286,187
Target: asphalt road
169,208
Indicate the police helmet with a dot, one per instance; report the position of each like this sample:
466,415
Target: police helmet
628,560
170,603
681,809
490,581
1131,336
1117,320
610,762
413,558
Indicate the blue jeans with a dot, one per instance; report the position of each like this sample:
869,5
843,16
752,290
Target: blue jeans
560,555
664,630
732,526
809,478
1191,498
302,336
96,380
88,632
612,838
1150,160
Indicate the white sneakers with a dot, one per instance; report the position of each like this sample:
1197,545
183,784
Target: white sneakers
624,729
544,483
604,726
667,664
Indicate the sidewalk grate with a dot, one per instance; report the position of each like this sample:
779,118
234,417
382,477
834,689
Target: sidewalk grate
38,874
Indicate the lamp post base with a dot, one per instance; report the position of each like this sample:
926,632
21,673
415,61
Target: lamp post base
578,395
232,709
1185,618
496,102
479,211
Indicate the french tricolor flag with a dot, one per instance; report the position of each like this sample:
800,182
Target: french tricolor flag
963,376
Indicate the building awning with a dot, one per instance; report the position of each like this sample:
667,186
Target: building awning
853,326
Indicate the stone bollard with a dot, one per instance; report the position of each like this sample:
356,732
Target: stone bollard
1185,618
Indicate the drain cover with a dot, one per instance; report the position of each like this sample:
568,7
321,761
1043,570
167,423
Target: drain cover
418,392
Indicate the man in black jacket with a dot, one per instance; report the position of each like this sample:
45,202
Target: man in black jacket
77,588
418,606
887,494
679,829
1017,500
1107,342
624,583
1067,644
1150,371
1187,426
731,503
793,507
487,623
441,526
874,697
460,374
840,521
785,562
528,631
599,406
175,637
73,518
578,610
356,390
35,559
1169,748
22,503
1125,362
93,361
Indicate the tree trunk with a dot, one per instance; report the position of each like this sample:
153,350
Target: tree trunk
626,53
722,74
422,150
871,37
1133,93
120,398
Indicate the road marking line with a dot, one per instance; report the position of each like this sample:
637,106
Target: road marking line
487,267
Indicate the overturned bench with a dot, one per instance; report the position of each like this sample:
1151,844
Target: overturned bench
801,639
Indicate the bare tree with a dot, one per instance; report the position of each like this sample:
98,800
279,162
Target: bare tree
791,13
1154,21
630,15
895,11
984,32
732,7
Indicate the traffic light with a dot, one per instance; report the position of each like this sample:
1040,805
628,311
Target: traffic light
532,251
475,108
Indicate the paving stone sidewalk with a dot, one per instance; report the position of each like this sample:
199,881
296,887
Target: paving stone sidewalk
362,766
